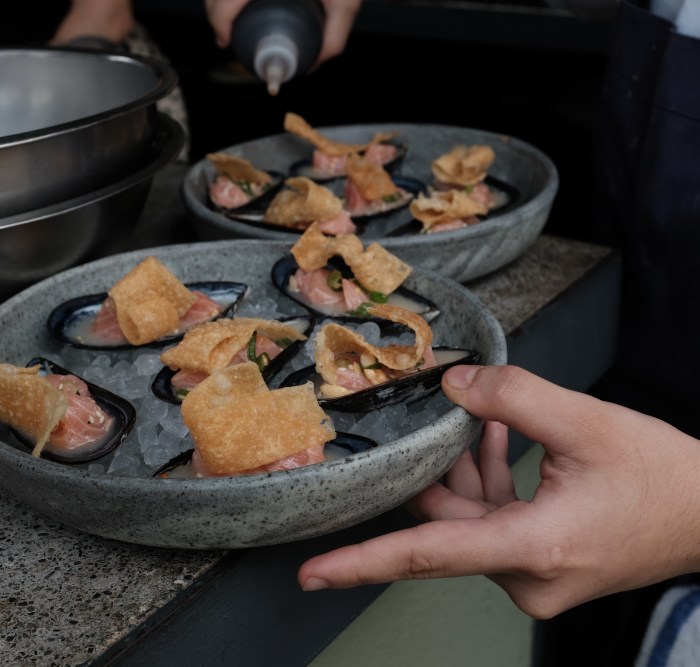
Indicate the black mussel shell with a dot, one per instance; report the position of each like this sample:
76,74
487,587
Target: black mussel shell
343,445
69,322
509,194
407,389
118,408
257,204
162,386
304,168
286,267
412,187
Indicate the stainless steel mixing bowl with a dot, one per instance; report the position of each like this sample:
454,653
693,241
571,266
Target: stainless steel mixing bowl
47,240
73,121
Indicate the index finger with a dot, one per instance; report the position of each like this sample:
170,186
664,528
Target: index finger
561,419
448,548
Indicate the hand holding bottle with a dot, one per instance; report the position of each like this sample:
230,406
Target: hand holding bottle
340,16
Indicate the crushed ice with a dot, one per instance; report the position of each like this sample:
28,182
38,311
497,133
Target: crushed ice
159,433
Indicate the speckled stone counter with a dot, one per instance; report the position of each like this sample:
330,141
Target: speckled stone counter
67,597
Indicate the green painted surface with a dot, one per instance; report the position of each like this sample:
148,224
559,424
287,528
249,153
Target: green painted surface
442,622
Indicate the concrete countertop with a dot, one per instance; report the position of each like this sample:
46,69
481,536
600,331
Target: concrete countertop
66,597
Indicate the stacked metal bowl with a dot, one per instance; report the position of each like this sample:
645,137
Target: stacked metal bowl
80,140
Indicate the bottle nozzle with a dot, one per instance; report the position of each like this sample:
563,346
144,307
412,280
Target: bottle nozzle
274,75
275,61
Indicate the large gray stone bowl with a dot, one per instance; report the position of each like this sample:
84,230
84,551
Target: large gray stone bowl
461,254
243,511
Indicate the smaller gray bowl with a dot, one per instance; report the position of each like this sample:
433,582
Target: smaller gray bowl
244,511
461,254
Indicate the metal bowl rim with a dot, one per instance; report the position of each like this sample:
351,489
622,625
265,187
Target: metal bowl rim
166,151
166,80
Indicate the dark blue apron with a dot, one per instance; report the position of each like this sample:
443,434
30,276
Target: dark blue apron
648,199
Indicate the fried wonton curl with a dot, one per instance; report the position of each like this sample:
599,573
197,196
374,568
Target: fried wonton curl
238,423
445,206
302,201
295,124
30,403
371,180
149,302
464,165
238,169
375,268
334,341
211,345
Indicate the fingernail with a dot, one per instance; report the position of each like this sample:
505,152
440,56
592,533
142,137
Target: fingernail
461,377
314,584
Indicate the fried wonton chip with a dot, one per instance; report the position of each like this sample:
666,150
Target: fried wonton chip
30,403
297,125
302,201
444,207
211,345
149,302
372,180
334,341
375,268
464,165
238,169
238,423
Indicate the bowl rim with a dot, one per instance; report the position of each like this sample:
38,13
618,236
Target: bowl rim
166,80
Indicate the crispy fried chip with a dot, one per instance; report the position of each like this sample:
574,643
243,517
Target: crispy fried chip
372,180
445,207
238,169
375,268
297,125
30,404
463,165
238,423
211,345
302,201
335,340
149,302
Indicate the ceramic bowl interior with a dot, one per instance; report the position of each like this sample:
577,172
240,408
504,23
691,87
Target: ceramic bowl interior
237,511
73,121
461,254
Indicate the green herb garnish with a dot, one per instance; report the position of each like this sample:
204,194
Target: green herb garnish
378,297
181,393
284,342
252,343
263,361
390,199
246,187
335,280
372,367
361,311
469,189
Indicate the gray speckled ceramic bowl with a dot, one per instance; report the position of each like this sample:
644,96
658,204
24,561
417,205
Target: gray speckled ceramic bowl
242,511
461,254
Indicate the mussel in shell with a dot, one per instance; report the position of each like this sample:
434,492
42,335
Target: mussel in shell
506,198
406,389
407,189
284,270
86,432
163,388
72,322
254,201
342,446
390,154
